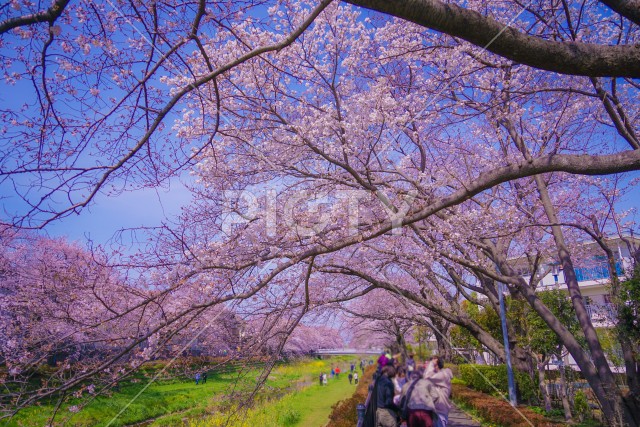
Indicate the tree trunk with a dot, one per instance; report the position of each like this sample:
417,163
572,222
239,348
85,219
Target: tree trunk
402,344
444,347
602,391
631,363
563,395
595,368
544,391
520,357
632,369
615,410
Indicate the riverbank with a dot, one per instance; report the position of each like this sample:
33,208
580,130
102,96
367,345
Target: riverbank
290,389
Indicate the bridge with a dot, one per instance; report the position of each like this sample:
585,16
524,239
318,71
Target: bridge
339,351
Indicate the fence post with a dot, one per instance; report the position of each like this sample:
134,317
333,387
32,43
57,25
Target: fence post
360,409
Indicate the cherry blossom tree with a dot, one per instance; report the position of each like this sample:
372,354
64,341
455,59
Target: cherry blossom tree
60,306
308,338
97,111
337,151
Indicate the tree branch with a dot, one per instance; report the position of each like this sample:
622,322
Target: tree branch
49,15
572,58
630,9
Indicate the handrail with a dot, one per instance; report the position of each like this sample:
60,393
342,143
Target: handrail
367,412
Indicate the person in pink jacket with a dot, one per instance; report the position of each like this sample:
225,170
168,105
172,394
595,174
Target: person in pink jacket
440,378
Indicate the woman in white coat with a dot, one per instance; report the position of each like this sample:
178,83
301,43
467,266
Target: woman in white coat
440,378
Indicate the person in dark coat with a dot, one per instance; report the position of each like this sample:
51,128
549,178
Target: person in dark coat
386,413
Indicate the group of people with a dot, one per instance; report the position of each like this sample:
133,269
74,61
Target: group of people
417,395
353,376
201,377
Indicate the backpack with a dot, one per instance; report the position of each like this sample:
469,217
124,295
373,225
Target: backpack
404,402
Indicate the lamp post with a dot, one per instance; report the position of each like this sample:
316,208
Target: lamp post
507,350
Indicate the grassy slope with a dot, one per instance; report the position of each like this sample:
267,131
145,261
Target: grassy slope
344,414
158,399
309,407
170,403
315,403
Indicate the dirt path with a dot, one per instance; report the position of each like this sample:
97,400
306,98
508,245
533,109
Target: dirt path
459,418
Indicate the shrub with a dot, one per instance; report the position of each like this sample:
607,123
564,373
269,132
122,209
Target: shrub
495,410
484,378
289,417
454,369
581,406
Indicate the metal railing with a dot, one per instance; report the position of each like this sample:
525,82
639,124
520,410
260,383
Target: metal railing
601,312
367,412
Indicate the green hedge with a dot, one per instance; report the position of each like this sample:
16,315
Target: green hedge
482,377
496,411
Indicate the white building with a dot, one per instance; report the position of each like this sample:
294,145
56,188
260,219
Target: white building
593,277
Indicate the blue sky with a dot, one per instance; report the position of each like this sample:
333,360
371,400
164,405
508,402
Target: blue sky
150,207
146,207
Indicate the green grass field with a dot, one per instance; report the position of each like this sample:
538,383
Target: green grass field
309,407
290,397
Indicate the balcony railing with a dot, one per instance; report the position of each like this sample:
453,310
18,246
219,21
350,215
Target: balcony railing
597,272
602,313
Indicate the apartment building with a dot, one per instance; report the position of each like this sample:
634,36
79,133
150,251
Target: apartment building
593,277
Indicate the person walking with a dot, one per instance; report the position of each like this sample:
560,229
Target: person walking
320,378
411,364
440,377
350,378
418,403
333,372
399,380
386,413
382,361
355,378
338,372
324,379
197,377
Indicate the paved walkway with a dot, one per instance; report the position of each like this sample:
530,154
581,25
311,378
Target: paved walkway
458,418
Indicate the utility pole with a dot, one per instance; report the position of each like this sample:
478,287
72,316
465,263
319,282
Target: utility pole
507,350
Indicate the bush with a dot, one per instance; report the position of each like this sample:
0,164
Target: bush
581,406
454,369
495,410
289,417
484,378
